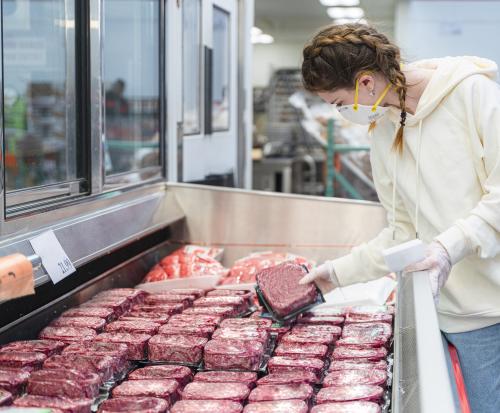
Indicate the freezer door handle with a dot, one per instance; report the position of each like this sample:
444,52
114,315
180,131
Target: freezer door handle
208,89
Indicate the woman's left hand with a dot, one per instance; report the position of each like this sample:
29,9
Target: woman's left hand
438,264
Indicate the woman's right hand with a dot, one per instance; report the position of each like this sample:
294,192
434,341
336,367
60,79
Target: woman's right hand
323,276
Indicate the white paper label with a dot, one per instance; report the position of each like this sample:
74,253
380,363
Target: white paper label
54,259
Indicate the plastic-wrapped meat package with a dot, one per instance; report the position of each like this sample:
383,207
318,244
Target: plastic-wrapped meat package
195,292
144,316
281,289
220,292
347,407
64,383
370,354
279,364
95,323
64,404
160,309
369,310
275,392
240,304
5,397
119,305
133,295
350,393
188,330
233,355
134,327
160,299
351,377
104,366
101,312
245,269
235,323
196,390
207,406
136,343
336,365
298,350
118,351
68,334
281,406
156,273
13,381
163,389
182,349
253,334
373,318
326,311
195,319
326,339
22,360
134,405
217,311
246,377
289,377
279,332
47,347
181,374
365,342
315,328
334,321
368,333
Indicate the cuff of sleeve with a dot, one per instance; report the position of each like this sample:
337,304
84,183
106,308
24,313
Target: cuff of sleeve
343,271
455,242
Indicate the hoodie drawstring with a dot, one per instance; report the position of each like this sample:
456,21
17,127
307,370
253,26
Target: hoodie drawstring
417,184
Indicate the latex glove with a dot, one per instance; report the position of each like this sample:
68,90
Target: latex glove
323,276
437,262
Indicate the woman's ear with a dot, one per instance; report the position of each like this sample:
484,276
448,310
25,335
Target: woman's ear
367,81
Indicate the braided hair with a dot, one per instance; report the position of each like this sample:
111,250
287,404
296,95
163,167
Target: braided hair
339,53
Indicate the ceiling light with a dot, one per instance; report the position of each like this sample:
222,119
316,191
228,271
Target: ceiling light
345,3
347,21
345,12
255,31
262,38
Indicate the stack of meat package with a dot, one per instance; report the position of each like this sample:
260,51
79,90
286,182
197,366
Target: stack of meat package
190,260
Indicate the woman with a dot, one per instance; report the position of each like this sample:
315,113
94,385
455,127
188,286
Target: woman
435,158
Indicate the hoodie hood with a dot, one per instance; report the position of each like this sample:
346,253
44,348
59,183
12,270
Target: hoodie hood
449,72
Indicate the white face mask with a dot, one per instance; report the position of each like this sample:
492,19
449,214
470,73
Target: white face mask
364,114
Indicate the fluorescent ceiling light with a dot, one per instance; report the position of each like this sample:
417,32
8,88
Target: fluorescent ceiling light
255,31
345,3
262,38
345,12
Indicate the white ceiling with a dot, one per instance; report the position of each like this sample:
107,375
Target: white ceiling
297,20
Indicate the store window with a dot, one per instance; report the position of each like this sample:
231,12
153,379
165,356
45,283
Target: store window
41,143
220,74
192,66
131,59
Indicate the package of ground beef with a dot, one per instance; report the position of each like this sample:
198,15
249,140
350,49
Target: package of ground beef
206,406
350,393
351,377
281,406
347,407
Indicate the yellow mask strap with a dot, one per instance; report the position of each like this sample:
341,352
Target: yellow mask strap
375,105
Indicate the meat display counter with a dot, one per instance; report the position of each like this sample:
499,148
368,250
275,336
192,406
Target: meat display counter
138,232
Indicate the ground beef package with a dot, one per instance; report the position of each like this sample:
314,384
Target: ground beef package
13,381
47,347
281,364
68,334
233,355
95,323
246,377
349,393
196,390
133,327
207,406
178,348
297,350
351,377
349,353
276,392
347,407
136,343
64,404
21,359
336,365
289,377
181,374
281,406
134,405
163,389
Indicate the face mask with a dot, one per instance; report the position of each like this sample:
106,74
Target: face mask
363,114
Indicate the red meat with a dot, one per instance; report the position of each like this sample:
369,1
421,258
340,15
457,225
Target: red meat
281,406
102,312
13,381
188,330
68,334
144,316
289,377
184,349
249,378
368,331
64,404
94,323
373,318
134,327
323,311
362,342
5,397
233,355
217,311
99,348
181,374
314,328
160,309
350,393
349,353
309,338
64,383
337,365
104,366
351,377
334,321
134,405
21,360
347,407
196,390
196,292
134,295
279,332
235,323
262,336
281,289
298,350
279,364
160,299
195,319
206,406
163,389
275,392
47,347
239,303
136,343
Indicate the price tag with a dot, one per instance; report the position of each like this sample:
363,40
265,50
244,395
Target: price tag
54,259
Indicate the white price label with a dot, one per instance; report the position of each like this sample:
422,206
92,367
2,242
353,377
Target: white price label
54,259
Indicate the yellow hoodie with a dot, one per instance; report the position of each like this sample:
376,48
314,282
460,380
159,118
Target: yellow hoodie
447,188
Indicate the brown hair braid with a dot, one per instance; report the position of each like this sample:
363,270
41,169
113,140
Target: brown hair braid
336,56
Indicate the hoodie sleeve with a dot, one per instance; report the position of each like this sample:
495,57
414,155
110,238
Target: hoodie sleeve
365,262
479,232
